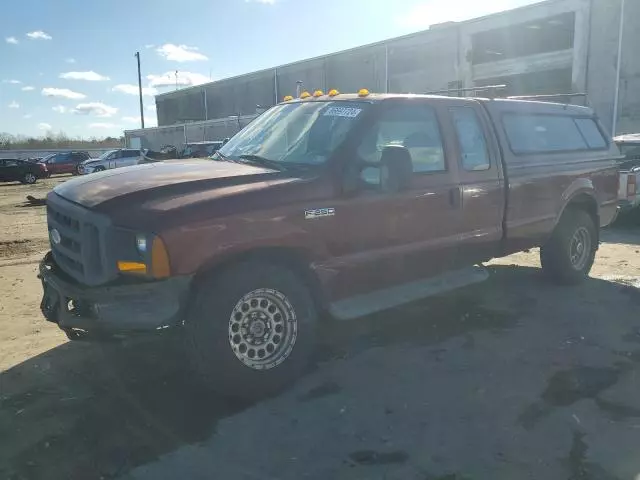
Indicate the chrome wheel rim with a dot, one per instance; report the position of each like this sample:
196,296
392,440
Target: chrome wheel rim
263,329
580,248
30,178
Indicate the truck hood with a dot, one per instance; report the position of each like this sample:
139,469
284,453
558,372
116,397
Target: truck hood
150,180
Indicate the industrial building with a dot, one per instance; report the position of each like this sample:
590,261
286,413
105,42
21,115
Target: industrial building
555,46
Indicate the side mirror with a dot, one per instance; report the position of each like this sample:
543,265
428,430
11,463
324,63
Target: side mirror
396,169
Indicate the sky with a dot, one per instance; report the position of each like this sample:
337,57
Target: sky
69,65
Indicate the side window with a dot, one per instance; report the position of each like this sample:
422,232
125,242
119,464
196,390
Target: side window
591,133
473,144
10,163
412,126
529,133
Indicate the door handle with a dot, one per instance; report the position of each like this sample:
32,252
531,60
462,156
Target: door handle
455,197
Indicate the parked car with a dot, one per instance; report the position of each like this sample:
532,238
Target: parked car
14,170
629,192
64,162
121,157
345,204
200,149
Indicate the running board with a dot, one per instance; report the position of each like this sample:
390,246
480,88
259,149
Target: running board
365,304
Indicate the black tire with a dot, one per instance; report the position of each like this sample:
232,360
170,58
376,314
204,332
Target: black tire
29,178
559,257
210,330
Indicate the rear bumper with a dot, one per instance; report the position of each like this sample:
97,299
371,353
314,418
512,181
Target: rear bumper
108,310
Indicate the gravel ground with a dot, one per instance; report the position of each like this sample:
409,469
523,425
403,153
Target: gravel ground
513,378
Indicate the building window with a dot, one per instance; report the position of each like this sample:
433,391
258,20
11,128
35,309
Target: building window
550,34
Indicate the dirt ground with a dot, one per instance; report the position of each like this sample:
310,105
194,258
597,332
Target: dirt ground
513,378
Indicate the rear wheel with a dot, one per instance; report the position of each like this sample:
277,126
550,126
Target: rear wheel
252,330
29,178
570,252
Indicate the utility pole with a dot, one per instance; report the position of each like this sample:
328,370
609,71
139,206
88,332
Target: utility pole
616,95
140,90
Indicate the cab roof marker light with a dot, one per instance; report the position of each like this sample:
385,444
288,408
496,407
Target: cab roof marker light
333,92
318,93
287,98
305,94
363,92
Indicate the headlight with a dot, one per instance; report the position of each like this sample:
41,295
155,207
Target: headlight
152,258
141,243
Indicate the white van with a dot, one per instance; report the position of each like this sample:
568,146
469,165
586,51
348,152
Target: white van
122,157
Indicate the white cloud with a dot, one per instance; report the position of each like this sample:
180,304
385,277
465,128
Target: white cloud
90,76
62,93
28,88
131,89
439,11
131,119
14,104
185,79
13,82
103,125
44,126
149,45
27,116
59,108
95,108
70,60
39,35
180,53
12,40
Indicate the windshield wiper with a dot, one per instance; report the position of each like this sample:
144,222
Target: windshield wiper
263,162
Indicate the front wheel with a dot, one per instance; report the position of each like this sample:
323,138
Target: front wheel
570,252
29,178
252,330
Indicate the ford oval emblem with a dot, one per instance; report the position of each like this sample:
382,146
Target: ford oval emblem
55,236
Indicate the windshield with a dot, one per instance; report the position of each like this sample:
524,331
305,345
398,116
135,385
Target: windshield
296,133
105,155
630,150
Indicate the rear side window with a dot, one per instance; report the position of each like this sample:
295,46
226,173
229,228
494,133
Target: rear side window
473,145
528,133
591,132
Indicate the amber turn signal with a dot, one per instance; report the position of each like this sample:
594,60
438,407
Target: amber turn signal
160,267
132,267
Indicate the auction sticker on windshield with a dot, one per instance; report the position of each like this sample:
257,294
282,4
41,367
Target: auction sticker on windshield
342,112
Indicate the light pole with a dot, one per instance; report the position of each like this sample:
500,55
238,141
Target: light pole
616,100
140,90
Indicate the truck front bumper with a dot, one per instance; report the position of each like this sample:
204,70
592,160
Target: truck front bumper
83,311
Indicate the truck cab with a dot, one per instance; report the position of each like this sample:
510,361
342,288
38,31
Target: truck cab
338,204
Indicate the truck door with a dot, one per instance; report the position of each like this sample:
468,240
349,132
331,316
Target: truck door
412,234
481,183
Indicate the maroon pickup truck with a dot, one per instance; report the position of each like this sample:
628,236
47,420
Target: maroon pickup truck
338,204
